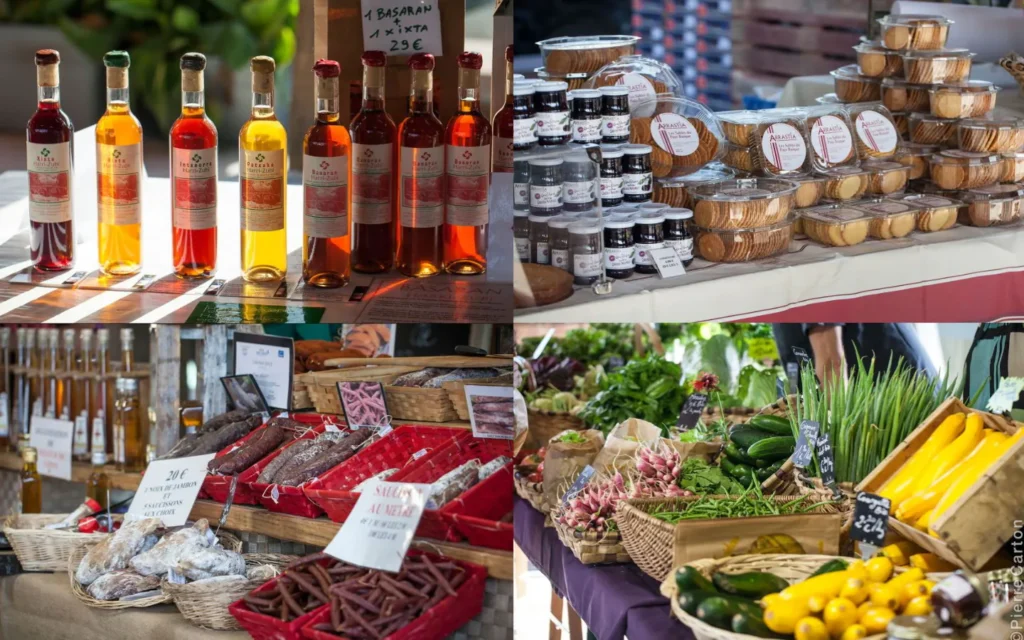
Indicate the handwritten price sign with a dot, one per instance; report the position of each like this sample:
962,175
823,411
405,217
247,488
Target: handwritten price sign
53,440
808,435
169,489
870,519
402,27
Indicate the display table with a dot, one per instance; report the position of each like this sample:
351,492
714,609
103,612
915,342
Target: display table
615,601
41,605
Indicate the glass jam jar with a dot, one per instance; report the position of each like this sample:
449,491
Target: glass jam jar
637,180
521,234
618,247
524,121
677,233
579,175
558,235
615,113
611,177
586,116
546,186
540,240
520,185
552,113
585,251
648,234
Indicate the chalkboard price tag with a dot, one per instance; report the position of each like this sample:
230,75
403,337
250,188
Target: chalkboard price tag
870,518
691,412
577,486
826,460
805,440
801,356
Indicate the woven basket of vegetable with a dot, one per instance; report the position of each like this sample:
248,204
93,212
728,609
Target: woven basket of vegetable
650,538
591,547
739,415
456,390
40,549
532,492
544,425
420,404
323,385
791,568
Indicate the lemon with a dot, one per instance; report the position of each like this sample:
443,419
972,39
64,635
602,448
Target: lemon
782,617
879,569
876,619
854,632
839,614
855,591
919,606
887,596
810,628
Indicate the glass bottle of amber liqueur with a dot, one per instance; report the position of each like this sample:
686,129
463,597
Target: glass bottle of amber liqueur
120,177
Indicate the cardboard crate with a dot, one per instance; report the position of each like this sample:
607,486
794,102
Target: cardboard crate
976,526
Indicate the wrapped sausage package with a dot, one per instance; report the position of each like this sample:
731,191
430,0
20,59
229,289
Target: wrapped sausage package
621,445
568,453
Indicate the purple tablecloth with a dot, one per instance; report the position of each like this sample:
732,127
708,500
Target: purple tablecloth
614,600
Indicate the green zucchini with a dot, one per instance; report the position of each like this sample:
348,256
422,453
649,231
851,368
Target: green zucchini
830,567
737,455
689,579
719,610
690,600
753,584
745,437
753,626
773,448
772,424
767,472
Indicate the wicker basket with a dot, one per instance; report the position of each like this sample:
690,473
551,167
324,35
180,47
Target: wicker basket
789,567
322,386
227,540
419,404
650,541
593,548
544,425
456,390
532,492
206,604
40,549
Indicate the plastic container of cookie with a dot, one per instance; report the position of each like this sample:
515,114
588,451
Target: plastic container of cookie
886,177
992,135
954,169
875,131
682,133
573,80
914,32
927,129
780,142
742,203
969,99
875,61
902,121
828,98
851,86
809,190
889,219
845,183
915,156
1013,167
645,78
996,204
739,126
938,66
934,212
742,159
744,245
900,95
676,191
836,225
584,54
830,137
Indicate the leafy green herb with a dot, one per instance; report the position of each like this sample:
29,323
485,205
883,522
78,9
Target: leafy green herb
705,433
703,478
573,437
647,388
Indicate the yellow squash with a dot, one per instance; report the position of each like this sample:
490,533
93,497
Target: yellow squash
899,552
827,584
854,632
948,456
922,522
931,563
899,487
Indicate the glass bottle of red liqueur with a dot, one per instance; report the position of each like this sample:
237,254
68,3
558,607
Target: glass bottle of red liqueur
194,177
504,126
325,177
50,171
468,160
374,179
421,170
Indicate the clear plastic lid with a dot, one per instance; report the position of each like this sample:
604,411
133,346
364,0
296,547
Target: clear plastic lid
801,180
786,222
835,213
994,123
740,117
686,131
852,72
965,158
884,207
883,166
916,149
830,134
993,193
871,46
704,176
928,118
913,20
968,86
571,43
829,98
678,214
926,201
900,83
744,189
937,54
643,77
877,135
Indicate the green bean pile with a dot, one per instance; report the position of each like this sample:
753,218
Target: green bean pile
752,503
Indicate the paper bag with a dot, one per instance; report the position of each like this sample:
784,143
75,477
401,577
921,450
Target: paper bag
709,451
619,452
565,460
814,533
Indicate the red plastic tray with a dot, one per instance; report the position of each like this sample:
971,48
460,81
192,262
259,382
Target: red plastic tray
289,500
484,533
264,627
476,518
333,493
490,498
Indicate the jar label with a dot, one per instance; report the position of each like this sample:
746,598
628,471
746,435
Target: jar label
674,134
586,264
830,139
611,188
521,194
523,249
372,168
637,184
560,258
468,181
615,126
325,227
640,88
49,182
503,155
588,130
552,124
542,197
783,147
618,258
422,186
683,248
120,173
325,191
876,132
643,253
194,188
578,192
543,253
524,130
262,185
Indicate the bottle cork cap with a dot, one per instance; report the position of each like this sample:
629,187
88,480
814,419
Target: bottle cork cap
262,64
47,56
422,62
469,60
374,58
327,68
508,53
28,454
119,59
193,62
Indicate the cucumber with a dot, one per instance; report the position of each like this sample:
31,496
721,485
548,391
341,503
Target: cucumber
830,567
773,448
761,463
753,584
719,610
689,579
690,600
745,436
767,472
753,626
772,424
737,455
741,472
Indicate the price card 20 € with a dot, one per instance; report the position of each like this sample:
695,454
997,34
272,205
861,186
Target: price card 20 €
169,489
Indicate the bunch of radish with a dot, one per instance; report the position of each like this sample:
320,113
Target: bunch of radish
658,470
593,508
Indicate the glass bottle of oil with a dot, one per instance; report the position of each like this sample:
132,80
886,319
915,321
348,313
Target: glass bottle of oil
118,419
5,396
19,413
80,395
53,372
33,348
68,356
133,447
262,145
98,484
102,393
128,350
31,483
120,176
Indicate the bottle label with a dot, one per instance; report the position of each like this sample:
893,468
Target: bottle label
372,166
468,182
118,183
643,253
876,132
545,197
325,196
783,147
552,124
503,154
578,192
683,248
4,416
611,188
81,435
524,130
674,134
830,139
37,407
262,184
618,258
588,130
636,184
521,194
194,188
560,258
586,264
615,126
49,182
422,187
523,249
543,253
99,436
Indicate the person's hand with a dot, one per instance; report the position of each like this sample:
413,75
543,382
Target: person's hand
828,353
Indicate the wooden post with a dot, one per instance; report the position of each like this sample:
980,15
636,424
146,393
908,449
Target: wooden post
213,365
165,352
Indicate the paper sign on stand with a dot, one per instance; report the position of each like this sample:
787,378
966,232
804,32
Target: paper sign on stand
402,28
490,411
381,527
53,440
169,489
668,262
269,360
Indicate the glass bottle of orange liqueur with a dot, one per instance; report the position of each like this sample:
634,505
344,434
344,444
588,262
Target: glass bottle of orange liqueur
119,184
261,152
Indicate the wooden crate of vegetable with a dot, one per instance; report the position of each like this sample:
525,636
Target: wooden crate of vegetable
948,483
